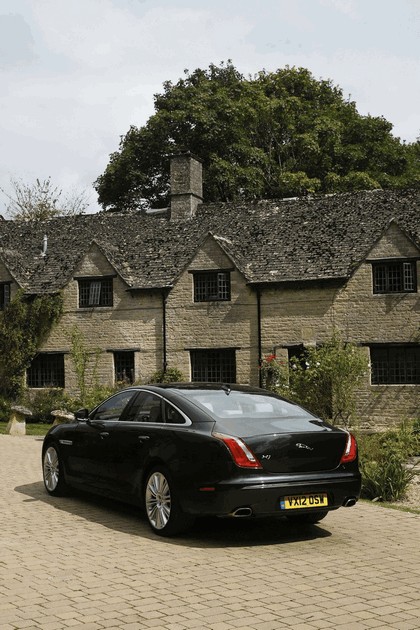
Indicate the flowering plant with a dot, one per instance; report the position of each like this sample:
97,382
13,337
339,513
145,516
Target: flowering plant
274,373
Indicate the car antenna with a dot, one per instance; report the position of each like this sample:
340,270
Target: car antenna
226,388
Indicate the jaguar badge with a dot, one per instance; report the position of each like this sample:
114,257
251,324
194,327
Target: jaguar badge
305,446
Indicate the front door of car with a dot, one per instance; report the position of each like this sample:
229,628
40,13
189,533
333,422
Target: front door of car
91,459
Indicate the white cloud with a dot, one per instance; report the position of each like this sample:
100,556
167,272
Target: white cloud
348,7
88,69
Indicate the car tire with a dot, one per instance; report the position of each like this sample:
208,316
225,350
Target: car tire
163,510
52,470
308,518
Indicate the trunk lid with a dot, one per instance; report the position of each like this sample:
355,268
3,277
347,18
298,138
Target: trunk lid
292,445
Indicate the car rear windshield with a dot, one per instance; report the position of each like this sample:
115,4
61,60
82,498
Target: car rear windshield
237,404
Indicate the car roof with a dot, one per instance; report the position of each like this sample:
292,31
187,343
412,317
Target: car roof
208,386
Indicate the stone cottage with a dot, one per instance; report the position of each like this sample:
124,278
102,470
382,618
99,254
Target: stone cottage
211,288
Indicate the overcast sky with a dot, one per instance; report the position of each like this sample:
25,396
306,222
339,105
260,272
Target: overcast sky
75,74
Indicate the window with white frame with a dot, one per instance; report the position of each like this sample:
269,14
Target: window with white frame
394,276
211,286
95,292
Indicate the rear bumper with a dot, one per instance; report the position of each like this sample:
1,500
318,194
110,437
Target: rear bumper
263,497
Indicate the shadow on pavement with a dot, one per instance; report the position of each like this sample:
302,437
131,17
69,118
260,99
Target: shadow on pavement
207,532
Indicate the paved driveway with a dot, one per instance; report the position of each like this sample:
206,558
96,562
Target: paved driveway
87,563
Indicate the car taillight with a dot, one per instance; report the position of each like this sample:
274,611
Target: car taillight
350,452
241,454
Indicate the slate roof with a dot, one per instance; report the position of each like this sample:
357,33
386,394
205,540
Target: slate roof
313,238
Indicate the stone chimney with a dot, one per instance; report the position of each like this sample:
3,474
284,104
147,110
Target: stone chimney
186,185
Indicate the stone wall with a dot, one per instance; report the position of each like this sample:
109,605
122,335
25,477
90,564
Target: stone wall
366,318
289,316
205,325
133,323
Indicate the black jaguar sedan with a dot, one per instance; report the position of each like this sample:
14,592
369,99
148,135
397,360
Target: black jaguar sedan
194,449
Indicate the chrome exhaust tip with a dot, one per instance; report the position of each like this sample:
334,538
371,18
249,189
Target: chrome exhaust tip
242,512
350,502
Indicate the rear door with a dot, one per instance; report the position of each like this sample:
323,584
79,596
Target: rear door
143,434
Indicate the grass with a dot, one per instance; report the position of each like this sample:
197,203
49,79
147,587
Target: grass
32,428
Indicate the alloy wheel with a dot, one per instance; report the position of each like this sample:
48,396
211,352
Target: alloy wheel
51,469
158,500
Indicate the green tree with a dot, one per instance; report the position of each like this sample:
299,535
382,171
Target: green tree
24,324
272,135
42,200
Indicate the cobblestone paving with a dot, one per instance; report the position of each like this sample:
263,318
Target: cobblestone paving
87,563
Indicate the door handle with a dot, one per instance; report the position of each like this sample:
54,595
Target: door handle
104,434
141,438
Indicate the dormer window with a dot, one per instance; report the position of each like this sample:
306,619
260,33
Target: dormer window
95,292
211,286
4,295
394,276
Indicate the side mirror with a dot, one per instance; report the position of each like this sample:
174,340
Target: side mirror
81,414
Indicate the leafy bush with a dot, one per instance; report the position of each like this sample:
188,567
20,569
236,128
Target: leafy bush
385,480
404,441
92,397
43,401
323,380
5,405
383,462
170,375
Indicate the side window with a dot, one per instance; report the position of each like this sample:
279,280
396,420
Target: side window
172,415
147,408
112,408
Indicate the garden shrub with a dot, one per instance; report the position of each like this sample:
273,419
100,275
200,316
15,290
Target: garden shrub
385,480
43,401
92,397
5,405
170,375
324,380
383,457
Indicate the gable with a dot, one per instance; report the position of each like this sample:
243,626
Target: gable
210,255
94,263
5,275
394,243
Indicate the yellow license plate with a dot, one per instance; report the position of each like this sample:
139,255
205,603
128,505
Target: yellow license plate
304,501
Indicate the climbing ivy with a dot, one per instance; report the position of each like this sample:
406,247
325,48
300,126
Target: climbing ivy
24,325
